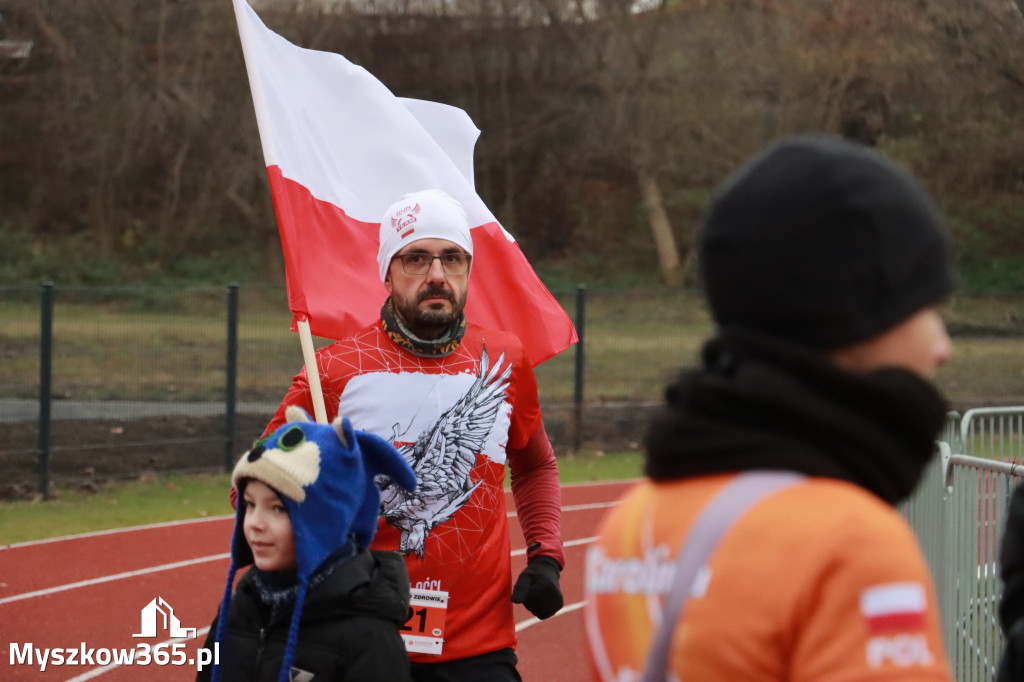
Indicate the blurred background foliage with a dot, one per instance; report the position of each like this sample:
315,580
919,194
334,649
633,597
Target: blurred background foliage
129,150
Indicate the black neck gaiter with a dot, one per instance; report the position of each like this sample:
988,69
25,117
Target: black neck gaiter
401,335
279,590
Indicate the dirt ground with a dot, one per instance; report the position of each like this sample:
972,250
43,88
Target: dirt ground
85,453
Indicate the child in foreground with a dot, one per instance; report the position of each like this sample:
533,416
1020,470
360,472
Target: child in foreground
317,605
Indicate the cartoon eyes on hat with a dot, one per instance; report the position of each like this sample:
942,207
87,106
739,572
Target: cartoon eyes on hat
291,439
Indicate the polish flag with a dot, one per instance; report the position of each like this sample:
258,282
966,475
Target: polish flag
340,148
894,607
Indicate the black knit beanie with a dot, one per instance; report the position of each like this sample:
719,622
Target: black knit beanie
822,243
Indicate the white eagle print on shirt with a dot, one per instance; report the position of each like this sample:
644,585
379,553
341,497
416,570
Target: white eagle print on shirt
442,457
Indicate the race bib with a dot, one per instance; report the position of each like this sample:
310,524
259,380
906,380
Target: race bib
424,632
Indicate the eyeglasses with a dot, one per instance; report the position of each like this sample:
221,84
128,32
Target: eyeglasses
456,263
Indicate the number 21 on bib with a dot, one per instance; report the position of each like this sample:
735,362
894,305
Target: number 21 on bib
424,632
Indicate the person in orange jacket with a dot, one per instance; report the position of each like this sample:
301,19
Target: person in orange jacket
823,263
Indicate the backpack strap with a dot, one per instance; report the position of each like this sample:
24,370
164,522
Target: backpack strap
711,525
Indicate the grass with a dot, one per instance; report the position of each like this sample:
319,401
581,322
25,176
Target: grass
172,348
144,344
609,467
115,505
154,499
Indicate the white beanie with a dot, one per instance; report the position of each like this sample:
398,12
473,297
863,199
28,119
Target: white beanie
429,214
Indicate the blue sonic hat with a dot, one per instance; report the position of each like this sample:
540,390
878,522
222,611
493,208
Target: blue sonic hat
323,474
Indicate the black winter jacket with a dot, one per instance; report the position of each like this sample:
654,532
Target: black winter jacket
1011,604
349,629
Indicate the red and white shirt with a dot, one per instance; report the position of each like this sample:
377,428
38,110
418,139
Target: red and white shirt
457,419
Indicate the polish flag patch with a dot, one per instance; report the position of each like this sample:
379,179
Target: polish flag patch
894,607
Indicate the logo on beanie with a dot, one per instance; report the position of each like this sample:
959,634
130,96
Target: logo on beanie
403,218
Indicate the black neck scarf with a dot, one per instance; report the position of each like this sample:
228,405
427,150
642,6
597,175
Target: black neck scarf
759,404
280,589
401,335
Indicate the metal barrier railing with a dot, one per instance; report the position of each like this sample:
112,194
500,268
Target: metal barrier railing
978,500
979,484
959,513
993,433
952,432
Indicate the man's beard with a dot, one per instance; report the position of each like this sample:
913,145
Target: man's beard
428,323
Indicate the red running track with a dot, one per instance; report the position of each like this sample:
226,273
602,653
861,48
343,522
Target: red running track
88,591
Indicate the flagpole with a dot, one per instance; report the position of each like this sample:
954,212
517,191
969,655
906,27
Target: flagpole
312,372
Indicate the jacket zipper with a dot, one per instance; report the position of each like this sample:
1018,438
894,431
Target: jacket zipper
260,648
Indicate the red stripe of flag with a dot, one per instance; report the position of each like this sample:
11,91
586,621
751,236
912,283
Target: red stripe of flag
894,607
340,148
896,622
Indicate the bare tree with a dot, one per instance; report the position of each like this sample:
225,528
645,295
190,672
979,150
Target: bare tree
606,123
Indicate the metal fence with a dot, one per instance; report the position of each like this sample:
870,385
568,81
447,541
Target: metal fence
103,381
958,514
97,382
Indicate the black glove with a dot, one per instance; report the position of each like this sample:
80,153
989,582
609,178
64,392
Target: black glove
537,587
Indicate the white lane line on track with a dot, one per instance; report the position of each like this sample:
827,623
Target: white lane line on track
226,517
215,557
569,543
529,622
96,672
116,576
182,564
587,484
114,531
577,507
183,522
